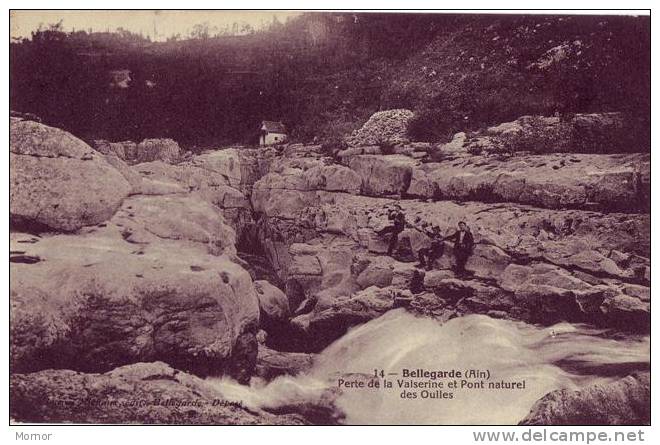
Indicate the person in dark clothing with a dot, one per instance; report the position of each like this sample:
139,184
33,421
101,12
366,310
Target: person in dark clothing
417,282
429,255
463,244
398,224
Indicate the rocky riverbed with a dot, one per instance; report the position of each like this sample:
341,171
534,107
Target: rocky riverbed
138,278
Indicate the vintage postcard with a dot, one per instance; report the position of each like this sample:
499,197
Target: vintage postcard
329,218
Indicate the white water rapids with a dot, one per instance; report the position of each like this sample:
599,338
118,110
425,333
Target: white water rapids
561,356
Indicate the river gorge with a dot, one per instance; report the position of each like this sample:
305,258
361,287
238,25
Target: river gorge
257,277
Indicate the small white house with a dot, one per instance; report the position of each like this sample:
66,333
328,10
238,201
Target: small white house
272,133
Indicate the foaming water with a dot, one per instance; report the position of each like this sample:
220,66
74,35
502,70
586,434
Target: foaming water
561,356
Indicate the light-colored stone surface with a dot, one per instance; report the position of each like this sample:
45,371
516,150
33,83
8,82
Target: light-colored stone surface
192,178
160,280
144,219
57,182
383,175
157,281
328,243
555,181
273,303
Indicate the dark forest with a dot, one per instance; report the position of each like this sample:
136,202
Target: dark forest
324,74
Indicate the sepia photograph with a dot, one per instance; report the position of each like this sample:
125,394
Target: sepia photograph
330,217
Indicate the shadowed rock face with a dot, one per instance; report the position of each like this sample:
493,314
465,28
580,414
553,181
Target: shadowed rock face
272,363
57,182
146,393
623,402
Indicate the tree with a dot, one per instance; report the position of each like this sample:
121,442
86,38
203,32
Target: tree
200,31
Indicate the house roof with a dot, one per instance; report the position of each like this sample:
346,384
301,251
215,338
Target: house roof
273,126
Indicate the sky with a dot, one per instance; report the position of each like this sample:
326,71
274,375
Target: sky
164,23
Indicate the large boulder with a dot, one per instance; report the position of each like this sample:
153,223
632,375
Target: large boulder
456,145
239,168
331,318
378,272
550,293
57,182
273,303
332,178
624,402
144,219
144,393
282,195
390,126
195,178
627,312
157,282
468,296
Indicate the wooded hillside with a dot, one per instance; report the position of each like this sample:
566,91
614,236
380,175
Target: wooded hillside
325,74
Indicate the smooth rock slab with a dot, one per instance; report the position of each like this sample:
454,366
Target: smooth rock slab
196,178
144,219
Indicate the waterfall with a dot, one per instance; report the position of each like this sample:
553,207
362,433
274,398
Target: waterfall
546,358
